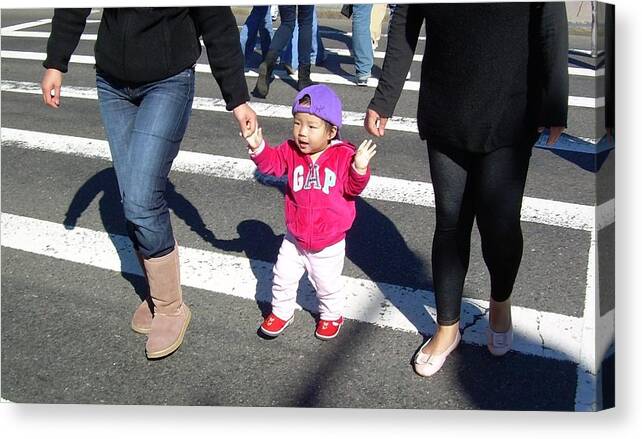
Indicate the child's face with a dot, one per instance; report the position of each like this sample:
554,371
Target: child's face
311,133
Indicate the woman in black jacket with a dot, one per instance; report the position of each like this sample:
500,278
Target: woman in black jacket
145,60
492,77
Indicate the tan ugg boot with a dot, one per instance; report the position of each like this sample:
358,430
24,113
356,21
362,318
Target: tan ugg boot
171,315
142,319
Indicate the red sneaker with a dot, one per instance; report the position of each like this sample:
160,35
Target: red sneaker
327,329
273,326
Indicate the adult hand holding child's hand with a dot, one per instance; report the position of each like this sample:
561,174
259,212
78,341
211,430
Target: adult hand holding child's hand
246,118
255,139
365,152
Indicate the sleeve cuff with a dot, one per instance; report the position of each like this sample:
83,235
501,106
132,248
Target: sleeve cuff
257,151
356,171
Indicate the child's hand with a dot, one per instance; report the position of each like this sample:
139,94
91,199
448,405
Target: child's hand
255,139
366,151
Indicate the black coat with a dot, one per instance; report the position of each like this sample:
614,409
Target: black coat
141,45
491,72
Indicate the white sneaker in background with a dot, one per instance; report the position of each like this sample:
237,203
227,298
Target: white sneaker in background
274,10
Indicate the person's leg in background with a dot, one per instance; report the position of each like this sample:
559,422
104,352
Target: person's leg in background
266,32
318,49
280,39
253,24
361,42
290,55
305,14
376,22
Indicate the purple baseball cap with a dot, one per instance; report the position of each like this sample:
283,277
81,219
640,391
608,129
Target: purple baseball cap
324,103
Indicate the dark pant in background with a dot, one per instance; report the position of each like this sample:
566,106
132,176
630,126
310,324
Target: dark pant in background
290,16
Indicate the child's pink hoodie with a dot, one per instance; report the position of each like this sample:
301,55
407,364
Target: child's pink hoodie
319,198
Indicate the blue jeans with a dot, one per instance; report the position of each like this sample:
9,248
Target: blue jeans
290,17
290,54
259,20
145,124
361,40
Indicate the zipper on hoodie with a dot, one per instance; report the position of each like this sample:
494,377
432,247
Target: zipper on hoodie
310,228
310,169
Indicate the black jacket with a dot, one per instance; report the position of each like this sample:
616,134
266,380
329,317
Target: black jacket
491,72
141,45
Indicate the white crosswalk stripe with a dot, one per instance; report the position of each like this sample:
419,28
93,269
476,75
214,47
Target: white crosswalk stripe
544,334
15,32
549,212
323,78
350,118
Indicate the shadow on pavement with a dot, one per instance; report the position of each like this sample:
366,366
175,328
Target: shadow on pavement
113,219
375,245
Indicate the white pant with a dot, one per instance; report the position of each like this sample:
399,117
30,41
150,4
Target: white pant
324,272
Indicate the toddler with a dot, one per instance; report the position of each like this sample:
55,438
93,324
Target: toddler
324,175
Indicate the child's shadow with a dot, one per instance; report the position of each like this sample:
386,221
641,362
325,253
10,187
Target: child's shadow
255,239
261,246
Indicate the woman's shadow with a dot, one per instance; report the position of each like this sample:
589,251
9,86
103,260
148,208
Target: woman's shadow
113,219
255,238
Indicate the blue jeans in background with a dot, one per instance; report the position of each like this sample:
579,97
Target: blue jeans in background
145,125
291,16
361,40
290,55
259,20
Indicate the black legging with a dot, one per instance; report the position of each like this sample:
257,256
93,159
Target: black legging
489,187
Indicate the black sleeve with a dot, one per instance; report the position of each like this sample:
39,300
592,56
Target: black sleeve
402,41
221,37
551,33
66,28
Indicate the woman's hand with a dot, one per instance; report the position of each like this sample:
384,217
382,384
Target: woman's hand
255,139
50,85
374,123
246,117
365,153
